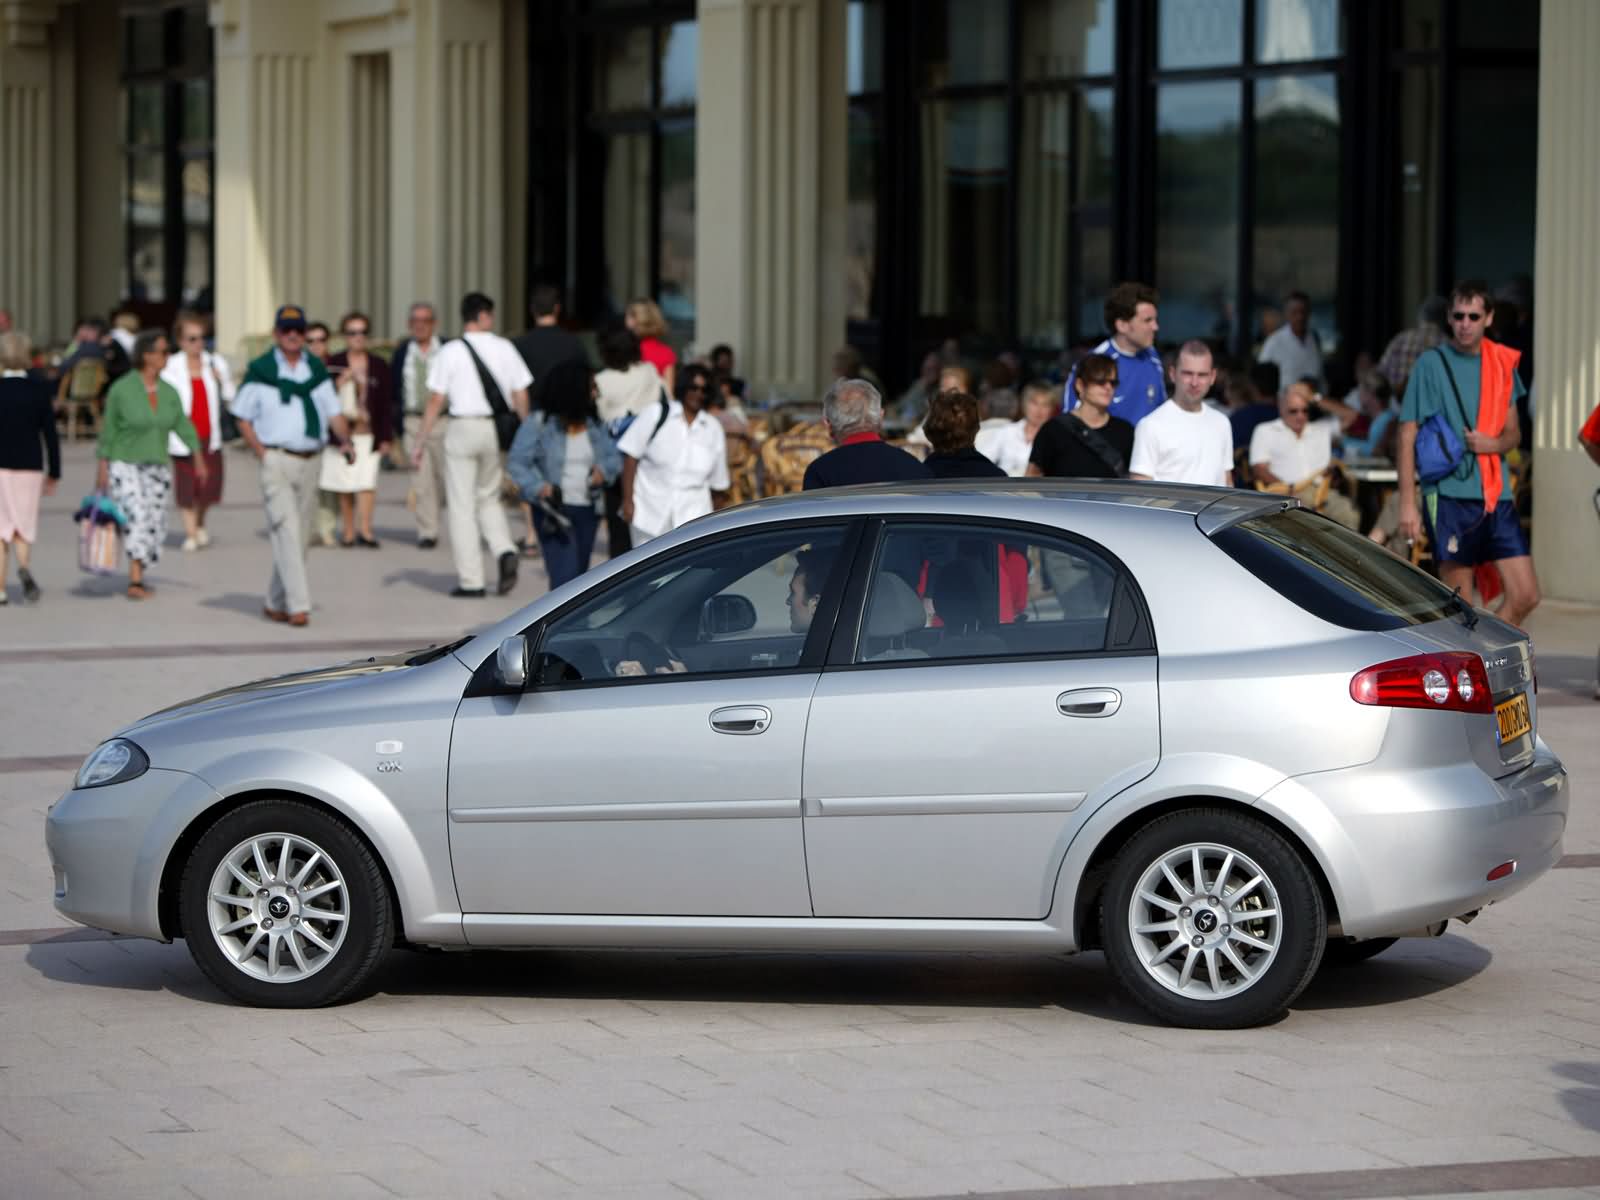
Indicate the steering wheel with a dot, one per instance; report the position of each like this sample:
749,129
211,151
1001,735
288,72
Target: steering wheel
647,652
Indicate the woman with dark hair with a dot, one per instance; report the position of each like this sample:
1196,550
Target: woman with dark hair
628,386
1088,442
366,398
142,411
952,428
561,459
28,443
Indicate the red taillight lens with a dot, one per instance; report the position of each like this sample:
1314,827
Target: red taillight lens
1454,682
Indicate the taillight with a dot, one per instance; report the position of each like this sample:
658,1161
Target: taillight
1454,681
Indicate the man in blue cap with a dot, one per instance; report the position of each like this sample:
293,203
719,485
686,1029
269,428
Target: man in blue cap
287,410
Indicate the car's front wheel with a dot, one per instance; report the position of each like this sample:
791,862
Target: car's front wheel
284,906
1212,920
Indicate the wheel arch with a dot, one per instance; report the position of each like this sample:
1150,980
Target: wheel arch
168,896
1091,882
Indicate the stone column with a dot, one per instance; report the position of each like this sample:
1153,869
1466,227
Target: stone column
38,182
1566,540
361,158
770,174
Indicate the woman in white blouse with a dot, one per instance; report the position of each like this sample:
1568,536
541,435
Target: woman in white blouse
1010,446
205,386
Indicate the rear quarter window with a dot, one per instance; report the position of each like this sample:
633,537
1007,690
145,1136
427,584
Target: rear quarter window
1334,573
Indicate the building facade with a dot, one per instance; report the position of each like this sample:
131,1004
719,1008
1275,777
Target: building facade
789,175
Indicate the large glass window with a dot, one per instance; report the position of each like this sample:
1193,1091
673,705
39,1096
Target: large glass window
635,214
1297,195
1016,167
167,156
1197,208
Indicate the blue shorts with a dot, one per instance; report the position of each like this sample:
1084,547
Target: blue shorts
1461,532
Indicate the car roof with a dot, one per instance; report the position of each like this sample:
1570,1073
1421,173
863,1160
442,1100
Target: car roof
1221,506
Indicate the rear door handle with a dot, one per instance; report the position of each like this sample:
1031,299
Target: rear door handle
1089,702
741,719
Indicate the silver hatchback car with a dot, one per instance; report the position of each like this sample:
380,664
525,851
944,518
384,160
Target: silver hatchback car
1208,732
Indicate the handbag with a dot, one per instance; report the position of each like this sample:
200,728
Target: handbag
506,421
1440,450
100,524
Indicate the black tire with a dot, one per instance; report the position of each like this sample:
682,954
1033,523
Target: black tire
368,928
1302,928
1342,952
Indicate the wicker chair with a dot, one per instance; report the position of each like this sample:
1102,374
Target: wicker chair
78,396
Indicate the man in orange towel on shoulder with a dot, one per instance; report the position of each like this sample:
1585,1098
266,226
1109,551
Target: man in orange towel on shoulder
1470,517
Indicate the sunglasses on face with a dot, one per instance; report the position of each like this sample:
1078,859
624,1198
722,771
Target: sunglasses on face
316,337
1471,317
1112,382
355,333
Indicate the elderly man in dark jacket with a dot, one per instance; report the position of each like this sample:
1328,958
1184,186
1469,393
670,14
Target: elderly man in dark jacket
853,413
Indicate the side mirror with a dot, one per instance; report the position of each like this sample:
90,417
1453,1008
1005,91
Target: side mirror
511,662
726,614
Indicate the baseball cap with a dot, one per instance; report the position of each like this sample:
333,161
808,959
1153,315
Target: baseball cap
290,316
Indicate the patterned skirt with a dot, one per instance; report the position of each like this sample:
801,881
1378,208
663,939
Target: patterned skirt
144,492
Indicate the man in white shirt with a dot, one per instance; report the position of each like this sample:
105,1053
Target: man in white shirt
1186,440
1295,450
1293,346
412,359
472,458
671,468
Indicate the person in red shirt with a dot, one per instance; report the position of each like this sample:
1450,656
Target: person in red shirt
644,320
205,386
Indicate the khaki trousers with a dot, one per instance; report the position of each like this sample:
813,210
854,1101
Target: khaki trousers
472,472
427,481
289,491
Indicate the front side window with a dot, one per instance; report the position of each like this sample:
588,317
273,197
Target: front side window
969,591
747,603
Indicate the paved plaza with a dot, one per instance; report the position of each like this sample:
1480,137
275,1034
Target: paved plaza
1466,1064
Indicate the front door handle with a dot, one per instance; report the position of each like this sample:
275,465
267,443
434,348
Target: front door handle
1089,702
741,719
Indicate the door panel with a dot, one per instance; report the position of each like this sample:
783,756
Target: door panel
624,799
972,817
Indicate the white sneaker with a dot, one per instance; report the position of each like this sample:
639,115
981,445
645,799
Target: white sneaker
190,544
202,539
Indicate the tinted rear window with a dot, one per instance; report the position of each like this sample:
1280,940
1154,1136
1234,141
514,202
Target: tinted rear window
1333,573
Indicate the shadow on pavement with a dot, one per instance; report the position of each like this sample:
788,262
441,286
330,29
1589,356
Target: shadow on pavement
425,580
1080,984
1413,968
1568,674
249,603
1582,1103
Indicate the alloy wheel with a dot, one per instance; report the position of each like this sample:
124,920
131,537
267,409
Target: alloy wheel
279,908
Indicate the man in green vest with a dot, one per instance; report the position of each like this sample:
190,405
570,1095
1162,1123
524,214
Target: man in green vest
287,410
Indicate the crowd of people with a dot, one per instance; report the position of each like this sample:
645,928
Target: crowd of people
644,443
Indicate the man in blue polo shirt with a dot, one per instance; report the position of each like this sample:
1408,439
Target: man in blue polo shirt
1131,319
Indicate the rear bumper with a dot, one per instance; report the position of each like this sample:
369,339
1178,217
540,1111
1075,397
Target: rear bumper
1408,848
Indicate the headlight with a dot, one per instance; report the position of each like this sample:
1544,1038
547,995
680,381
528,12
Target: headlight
116,761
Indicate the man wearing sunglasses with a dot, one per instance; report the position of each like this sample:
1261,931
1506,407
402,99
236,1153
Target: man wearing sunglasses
1469,515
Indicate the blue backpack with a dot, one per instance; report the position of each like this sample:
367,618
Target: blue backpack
1440,450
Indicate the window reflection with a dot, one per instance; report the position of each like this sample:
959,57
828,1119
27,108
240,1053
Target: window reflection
1418,201
1494,217
964,216
1200,33
863,66
861,216
962,43
1197,208
1093,226
1297,195
622,69
680,63
626,209
677,223
1064,38
1291,30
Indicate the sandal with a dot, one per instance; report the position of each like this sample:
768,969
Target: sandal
137,591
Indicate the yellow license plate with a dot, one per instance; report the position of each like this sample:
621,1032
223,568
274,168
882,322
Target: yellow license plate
1512,715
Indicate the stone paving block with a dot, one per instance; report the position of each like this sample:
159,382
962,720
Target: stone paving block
21,1178
998,1176
611,1170
797,1186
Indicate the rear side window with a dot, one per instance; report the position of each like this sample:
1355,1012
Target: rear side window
1332,573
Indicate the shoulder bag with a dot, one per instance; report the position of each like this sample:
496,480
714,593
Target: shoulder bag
1096,444
506,421
1440,450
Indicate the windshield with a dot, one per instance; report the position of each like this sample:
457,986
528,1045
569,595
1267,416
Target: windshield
1334,573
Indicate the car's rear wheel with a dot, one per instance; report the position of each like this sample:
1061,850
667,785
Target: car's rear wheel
1212,920
284,906
1342,952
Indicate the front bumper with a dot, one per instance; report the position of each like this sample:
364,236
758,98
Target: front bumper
1407,848
109,845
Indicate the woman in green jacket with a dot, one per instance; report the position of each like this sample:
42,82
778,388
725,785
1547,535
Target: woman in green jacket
135,468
